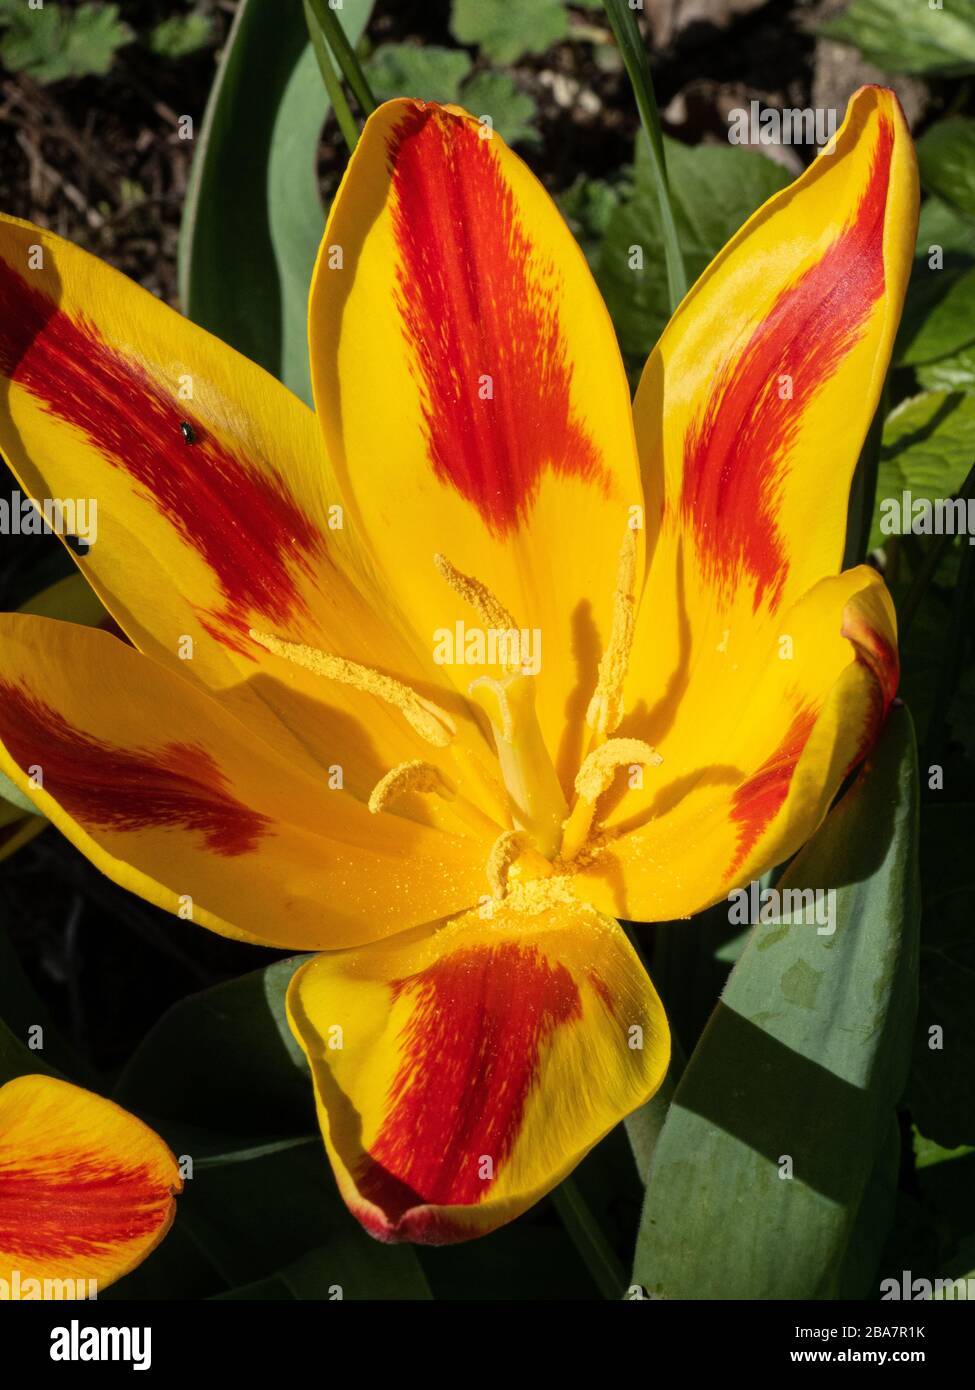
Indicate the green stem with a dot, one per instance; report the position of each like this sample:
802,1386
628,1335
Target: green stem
344,54
588,1239
929,565
623,23
336,95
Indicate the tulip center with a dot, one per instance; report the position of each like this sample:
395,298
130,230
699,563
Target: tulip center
537,804
543,820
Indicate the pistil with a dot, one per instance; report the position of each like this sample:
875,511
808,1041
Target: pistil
537,804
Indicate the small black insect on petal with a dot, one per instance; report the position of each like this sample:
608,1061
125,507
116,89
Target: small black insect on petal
187,431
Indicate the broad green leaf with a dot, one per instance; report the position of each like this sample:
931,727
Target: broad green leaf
181,34
505,32
939,314
859,1275
253,218
946,158
714,189
281,1216
494,94
804,1058
408,70
910,35
942,1098
588,207
928,448
22,1013
939,318
12,793
177,1269
225,1060
928,1154
954,373
55,42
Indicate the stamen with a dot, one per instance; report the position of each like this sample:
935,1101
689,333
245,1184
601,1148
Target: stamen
490,610
427,719
534,793
593,778
412,776
606,706
507,848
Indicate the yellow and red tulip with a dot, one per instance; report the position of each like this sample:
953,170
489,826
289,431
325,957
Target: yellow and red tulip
281,749
87,1191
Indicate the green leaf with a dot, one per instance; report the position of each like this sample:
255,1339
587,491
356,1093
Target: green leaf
928,446
494,94
407,70
16,1059
53,43
941,1098
281,1217
225,1060
954,373
714,189
21,1010
504,31
909,35
180,35
253,219
946,158
939,314
805,1056
9,791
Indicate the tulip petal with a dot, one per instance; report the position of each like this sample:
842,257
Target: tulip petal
87,1191
754,405
216,510
744,783
473,400
197,815
461,1074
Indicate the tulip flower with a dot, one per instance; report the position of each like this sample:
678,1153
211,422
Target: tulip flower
87,1191
440,684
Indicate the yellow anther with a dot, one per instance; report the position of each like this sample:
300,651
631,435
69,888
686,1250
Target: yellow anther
592,780
606,706
427,719
507,848
489,609
413,776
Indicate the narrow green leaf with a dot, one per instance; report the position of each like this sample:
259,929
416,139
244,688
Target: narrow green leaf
627,33
253,219
334,32
804,1059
